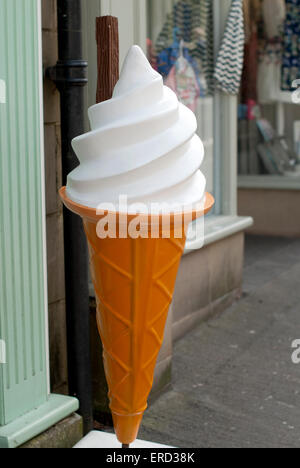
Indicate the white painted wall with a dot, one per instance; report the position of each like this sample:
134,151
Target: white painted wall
205,119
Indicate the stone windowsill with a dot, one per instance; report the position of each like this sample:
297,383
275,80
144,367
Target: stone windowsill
217,228
269,182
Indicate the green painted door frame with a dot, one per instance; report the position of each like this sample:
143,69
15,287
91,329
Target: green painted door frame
26,407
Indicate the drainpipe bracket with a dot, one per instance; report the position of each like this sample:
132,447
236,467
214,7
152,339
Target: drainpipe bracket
68,73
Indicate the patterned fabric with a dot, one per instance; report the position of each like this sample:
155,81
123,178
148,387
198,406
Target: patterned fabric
182,80
291,45
192,22
229,64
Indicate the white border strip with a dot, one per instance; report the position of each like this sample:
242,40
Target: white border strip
100,440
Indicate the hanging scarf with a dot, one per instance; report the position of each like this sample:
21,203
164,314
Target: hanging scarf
229,64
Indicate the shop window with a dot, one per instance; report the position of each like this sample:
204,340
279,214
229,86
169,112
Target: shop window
269,119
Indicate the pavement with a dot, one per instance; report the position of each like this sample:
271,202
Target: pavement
234,382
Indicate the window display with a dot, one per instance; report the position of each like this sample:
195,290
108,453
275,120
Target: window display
271,65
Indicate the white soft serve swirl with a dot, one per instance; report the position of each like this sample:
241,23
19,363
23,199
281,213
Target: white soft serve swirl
142,145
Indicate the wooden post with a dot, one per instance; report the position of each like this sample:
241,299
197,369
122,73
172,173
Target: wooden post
107,37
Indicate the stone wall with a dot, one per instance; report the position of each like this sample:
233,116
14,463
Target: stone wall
275,212
56,286
208,281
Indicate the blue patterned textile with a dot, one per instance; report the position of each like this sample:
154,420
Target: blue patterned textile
291,46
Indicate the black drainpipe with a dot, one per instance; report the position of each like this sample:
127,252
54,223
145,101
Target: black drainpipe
70,76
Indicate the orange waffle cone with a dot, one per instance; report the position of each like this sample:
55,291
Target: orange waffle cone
134,281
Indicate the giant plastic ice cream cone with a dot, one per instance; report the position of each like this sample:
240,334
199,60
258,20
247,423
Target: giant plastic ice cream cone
142,145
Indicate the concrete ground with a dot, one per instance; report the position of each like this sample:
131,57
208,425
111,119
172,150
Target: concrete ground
234,383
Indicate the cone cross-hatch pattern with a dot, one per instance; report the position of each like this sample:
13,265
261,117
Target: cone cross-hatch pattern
134,281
